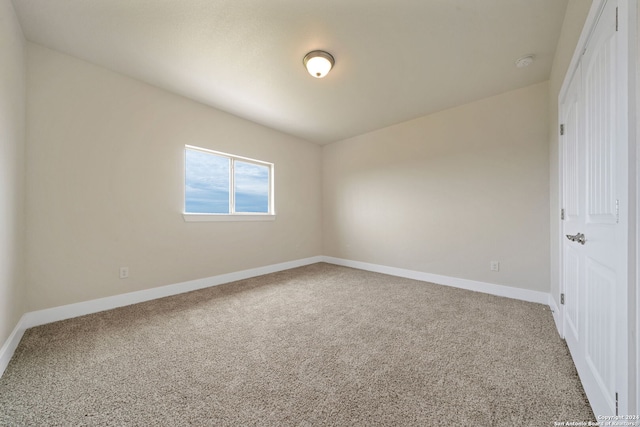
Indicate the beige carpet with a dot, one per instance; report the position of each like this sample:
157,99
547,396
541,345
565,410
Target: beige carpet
317,345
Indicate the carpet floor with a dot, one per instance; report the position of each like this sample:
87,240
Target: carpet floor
316,345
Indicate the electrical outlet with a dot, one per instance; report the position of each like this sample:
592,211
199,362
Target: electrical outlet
124,272
495,266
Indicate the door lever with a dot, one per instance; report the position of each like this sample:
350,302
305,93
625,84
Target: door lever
577,238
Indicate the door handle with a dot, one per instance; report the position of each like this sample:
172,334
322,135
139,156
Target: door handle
577,238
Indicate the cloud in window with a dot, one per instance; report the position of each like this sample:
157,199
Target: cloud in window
207,183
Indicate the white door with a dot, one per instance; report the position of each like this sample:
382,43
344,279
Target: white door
594,241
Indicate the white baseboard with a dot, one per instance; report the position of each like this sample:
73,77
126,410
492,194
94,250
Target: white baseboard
557,315
472,285
41,317
10,345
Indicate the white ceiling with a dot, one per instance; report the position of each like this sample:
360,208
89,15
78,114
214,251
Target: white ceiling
395,59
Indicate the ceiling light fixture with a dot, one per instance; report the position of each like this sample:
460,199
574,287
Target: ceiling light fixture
318,63
525,61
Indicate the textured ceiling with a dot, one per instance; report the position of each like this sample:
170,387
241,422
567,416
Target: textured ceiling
395,59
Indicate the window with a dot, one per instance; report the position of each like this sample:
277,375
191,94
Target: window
224,187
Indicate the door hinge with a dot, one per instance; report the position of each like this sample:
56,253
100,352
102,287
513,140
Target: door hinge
617,211
616,19
616,403
561,129
562,214
561,299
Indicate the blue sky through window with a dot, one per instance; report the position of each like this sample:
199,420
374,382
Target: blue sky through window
207,184
252,187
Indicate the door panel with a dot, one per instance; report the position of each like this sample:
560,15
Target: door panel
600,113
571,157
572,270
600,328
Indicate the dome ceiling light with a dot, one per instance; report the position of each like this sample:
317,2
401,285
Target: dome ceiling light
318,63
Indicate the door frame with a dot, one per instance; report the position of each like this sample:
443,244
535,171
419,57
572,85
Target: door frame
628,54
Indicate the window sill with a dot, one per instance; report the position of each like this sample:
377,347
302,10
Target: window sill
226,217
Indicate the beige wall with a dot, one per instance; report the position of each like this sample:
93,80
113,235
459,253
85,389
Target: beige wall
574,19
12,136
105,186
448,193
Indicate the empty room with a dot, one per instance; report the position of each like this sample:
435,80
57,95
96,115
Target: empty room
411,212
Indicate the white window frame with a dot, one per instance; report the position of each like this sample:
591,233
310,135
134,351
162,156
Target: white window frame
232,215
